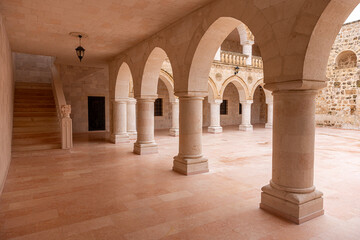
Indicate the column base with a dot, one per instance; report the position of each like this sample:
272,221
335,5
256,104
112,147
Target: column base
119,138
174,132
145,148
190,165
296,207
268,125
132,135
246,127
215,129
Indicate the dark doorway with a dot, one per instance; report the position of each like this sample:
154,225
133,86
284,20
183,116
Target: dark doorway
96,113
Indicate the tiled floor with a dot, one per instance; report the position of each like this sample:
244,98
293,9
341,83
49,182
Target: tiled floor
100,190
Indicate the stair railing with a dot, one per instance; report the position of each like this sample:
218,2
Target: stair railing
63,110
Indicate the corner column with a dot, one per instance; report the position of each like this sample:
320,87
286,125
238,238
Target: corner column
269,122
190,159
119,134
131,118
247,50
174,130
215,126
291,192
246,116
66,127
145,143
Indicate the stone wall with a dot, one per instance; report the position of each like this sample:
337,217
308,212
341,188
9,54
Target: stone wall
231,46
338,105
164,121
258,108
78,84
232,96
32,68
6,104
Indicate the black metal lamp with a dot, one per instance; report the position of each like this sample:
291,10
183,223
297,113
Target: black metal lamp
80,51
236,70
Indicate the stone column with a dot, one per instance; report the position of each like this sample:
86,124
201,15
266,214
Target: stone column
190,159
131,118
247,50
174,130
145,143
66,127
246,116
215,126
291,192
269,115
119,134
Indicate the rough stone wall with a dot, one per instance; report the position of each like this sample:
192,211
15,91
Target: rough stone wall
164,121
258,108
232,96
32,68
6,104
231,46
338,105
78,84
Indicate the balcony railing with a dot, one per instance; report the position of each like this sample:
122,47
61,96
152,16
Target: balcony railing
239,59
257,62
233,58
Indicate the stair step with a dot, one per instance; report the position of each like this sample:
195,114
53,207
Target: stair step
33,85
36,135
35,114
30,141
35,119
35,105
37,129
35,147
35,124
38,109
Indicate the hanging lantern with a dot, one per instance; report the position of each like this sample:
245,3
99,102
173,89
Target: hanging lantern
80,51
236,70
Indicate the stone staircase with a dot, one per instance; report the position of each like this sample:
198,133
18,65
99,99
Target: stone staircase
36,125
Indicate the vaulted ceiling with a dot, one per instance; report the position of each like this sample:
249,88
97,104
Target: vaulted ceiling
43,26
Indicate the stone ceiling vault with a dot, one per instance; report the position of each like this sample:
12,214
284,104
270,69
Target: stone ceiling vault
42,27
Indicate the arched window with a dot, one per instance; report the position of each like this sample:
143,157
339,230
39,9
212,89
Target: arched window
346,59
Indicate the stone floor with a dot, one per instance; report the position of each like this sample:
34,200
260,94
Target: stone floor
100,190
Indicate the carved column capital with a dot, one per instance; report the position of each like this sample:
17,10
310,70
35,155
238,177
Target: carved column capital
65,111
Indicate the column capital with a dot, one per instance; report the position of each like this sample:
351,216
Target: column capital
120,100
247,42
292,85
131,101
174,101
247,102
150,98
216,101
191,94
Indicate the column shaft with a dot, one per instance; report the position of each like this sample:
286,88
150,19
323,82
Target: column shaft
246,116
190,159
119,134
131,118
145,143
269,122
247,50
291,192
174,130
215,126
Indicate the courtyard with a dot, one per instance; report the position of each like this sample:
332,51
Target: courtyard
99,190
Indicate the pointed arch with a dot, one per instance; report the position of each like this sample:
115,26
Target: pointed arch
239,84
123,81
151,72
213,93
268,94
322,38
168,80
